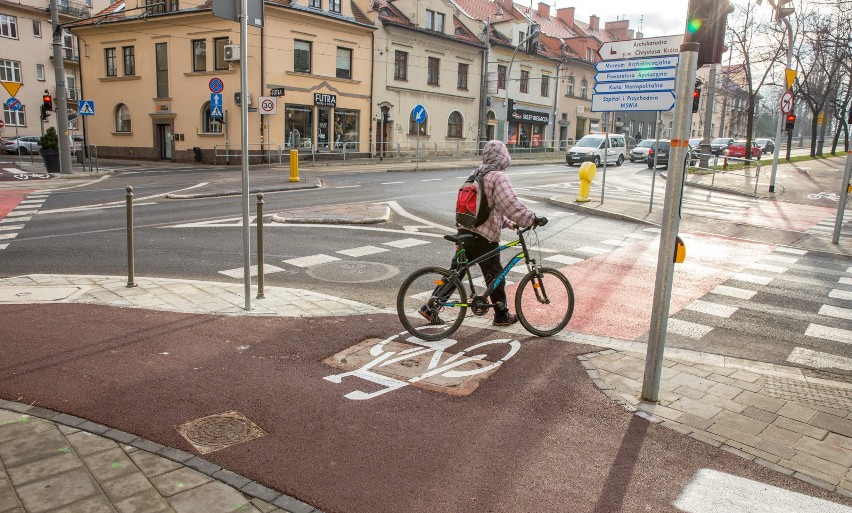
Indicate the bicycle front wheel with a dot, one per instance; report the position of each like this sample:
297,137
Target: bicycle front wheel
544,302
431,303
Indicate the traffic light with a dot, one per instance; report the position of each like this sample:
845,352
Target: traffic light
791,121
706,23
782,12
47,101
44,113
696,96
532,41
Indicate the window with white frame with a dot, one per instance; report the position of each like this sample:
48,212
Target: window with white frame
8,26
199,55
40,71
584,88
454,124
570,91
109,62
434,21
344,62
334,5
122,118
36,28
209,124
10,71
14,117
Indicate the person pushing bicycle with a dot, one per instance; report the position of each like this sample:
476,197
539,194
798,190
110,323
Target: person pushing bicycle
507,211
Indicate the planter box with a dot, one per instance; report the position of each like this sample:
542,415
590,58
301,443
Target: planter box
51,160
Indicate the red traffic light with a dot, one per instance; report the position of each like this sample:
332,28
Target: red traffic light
791,121
696,97
47,101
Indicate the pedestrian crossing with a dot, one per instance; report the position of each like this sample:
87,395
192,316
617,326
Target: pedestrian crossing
15,220
792,303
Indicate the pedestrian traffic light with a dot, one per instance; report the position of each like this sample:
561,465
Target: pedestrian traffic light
696,96
44,113
47,101
791,121
782,12
706,23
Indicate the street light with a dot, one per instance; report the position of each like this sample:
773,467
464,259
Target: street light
533,33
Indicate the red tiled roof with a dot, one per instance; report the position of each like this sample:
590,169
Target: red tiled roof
357,13
550,25
390,15
483,9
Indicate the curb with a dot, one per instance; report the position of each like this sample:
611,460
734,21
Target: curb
596,212
375,219
231,192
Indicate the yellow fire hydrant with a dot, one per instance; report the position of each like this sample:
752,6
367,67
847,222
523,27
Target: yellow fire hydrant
587,173
294,165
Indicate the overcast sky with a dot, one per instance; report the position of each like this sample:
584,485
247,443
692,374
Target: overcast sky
656,18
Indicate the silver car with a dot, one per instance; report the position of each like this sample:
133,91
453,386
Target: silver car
27,144
640,151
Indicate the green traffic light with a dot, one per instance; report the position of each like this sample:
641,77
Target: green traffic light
693,26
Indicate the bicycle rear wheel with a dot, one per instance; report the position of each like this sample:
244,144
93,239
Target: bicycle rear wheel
544,302
431,304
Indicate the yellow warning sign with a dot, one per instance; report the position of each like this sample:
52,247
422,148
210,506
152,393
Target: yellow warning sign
790,75
11,87
820,118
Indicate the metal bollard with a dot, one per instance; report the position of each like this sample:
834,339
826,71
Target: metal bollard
715,165
294,165
260,245
129,197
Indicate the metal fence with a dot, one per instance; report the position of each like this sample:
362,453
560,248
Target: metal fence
731,175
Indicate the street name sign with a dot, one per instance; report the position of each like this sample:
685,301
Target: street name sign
645,101
637,74
669,61
635,87
649,47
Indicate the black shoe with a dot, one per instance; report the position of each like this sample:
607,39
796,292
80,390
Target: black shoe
505,319
430,316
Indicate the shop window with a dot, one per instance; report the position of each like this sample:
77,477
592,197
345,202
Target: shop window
298,126
454,125
346,129
122,118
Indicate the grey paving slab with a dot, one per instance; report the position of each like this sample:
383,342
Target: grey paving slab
56,491
213,497
152,465
8,499
23,425
96,504
179,480
146,502
40,469
85,443
33,447
109,464
123,487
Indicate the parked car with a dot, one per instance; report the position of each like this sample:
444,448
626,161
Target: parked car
640,151
662,154
591,148
766,145
27,144
695,144
737,149
720,144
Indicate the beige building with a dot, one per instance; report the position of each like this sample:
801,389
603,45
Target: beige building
151,71
26,61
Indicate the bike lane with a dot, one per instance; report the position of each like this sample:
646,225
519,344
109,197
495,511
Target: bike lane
11,199
534,435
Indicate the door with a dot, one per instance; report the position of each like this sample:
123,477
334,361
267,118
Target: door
164,140
563,135
323,132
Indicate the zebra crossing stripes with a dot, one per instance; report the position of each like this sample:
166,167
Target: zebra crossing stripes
829,333
12,223
564,259
362,251
845,281
752,278
687,329
311,260
767,268
239,271
836,311
405,243
840,294
791,251
819,359
734,292
710,308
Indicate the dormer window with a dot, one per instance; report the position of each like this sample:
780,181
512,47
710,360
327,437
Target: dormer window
434,21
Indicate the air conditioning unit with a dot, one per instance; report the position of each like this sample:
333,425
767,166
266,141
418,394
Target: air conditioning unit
232,53
238,98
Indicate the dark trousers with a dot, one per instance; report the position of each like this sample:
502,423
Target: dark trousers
491,267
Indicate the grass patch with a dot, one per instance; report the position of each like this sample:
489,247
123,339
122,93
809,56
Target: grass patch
763,162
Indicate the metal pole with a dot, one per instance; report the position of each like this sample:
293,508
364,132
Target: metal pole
260,245
671,221
61,95
606,153
841,205
781,115
18,138
708,114
244,150
654,171
128,195
508,81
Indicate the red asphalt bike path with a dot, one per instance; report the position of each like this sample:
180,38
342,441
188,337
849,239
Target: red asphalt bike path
11,199
537,435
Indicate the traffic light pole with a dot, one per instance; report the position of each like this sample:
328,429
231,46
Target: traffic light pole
61,109
781,115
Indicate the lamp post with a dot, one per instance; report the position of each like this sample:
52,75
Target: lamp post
508,81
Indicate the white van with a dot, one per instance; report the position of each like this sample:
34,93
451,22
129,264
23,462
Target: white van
591,148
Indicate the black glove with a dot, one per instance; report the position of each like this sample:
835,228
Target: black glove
539,221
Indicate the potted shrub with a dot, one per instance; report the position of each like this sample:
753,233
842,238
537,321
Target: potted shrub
49,143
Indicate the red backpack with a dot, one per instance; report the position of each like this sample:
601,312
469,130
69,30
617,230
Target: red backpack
472,208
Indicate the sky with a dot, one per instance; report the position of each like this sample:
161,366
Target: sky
657,18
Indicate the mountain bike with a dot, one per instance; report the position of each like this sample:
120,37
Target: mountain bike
432,302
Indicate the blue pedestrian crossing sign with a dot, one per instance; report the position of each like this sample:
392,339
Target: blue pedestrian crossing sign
215,111
86,107
419,114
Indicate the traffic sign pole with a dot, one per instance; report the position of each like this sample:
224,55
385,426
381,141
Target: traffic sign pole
670,222
781,115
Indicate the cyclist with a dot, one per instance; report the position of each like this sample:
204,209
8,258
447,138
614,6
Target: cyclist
507,211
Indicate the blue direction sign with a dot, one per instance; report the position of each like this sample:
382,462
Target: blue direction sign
644,101
215,99
86,107
419,114
635,87
14,104
669,61
216,85
636,74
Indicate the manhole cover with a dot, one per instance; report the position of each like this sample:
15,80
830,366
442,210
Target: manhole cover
353,272
809,393
218,431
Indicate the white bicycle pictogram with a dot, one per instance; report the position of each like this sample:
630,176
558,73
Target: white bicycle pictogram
450,367
824,195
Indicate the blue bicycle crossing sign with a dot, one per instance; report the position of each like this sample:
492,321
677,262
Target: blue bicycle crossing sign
419,114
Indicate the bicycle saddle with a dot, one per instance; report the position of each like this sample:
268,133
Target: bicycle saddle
459,237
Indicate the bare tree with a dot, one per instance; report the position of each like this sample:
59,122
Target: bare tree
758,50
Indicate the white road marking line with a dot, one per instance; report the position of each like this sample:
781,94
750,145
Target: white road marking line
30,202
238,272
311,260
835,311
819,360
766,267
849,269
564,259
725,290
688,329
347,186
829,333
791,251
11,227
652,230
752,278
715,309
638,236
405,243
432,180
845,281
613,242
362,251
20,213
7,236
15,220
390,183
593,250
704,494
841,294
3,246
781,258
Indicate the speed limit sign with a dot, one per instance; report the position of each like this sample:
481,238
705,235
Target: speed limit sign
268,105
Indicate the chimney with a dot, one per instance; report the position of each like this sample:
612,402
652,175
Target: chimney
566,14
594,23
619,29
543,10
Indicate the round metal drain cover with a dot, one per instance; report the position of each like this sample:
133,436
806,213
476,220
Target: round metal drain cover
353,272
216,432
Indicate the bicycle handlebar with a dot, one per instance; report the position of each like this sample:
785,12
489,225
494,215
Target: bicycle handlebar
538,221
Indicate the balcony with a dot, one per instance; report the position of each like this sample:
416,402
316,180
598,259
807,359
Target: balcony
74,9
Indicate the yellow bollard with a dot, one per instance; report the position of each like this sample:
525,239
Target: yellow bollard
294,165
587,173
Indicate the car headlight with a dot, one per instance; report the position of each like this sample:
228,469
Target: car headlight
590,152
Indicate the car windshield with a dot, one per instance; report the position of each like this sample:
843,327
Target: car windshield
590,142
738,143
647,143
720,141
761,141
